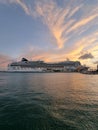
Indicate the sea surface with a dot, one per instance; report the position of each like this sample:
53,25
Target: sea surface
48,101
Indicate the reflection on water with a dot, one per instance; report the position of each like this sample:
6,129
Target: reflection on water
48,101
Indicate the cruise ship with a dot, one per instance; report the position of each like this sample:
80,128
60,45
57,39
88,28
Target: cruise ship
40,66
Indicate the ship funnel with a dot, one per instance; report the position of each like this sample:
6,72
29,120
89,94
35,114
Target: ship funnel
24,59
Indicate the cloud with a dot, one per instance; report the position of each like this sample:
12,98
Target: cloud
23,5
38,53
84,45
59,20
82,22
70,26
18,2
54,18
53,55
86,56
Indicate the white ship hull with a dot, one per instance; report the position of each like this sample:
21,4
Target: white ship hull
25,70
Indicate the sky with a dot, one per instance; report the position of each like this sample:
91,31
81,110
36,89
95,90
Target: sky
49,30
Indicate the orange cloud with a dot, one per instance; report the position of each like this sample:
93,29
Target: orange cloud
59,20
56,19
63,26
82,22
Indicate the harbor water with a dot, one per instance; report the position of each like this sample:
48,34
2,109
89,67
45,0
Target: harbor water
48,101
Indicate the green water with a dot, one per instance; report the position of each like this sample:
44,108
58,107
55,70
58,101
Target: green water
48,101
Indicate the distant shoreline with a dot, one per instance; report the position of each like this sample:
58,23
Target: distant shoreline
87,73
32,72
91,73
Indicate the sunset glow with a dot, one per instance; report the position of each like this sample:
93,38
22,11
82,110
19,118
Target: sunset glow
49,30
